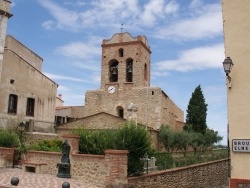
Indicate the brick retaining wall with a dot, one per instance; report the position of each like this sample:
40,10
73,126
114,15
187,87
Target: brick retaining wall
206,175
6,156
101,170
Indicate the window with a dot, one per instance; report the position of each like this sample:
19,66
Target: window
145,72
120,111
30,107
12,107
120,52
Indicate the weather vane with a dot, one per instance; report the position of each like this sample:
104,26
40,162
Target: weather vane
121,27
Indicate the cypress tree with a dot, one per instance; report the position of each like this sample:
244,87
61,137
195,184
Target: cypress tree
196,112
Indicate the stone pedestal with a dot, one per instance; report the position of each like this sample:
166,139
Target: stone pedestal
63,170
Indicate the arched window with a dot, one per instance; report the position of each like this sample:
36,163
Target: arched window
145,72
120,111
113,70
121,52
129,70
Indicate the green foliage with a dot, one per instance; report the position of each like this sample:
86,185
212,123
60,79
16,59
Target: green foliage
53,145
174,140
164,160
95,142
196,140
167,137
9,138
171,160
197,111
183,141
130,137
137,141
210,137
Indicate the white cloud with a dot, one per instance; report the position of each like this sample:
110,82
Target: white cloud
172,7
194,59
75,3
207,24
152,10
61,77
62,88
79,50
200,21
49,25
195,4
64,17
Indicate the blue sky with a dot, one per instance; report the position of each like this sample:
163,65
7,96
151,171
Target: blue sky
185,36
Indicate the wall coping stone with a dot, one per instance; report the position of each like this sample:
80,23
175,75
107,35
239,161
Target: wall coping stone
116,152
70,136
4,148
45,152
89,155
40,133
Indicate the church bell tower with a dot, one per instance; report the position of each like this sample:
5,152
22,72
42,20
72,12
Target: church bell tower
125,90
125,62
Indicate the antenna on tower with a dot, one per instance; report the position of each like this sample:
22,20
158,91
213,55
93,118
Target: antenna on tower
121,27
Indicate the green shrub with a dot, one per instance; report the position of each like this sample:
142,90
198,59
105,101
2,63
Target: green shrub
95,142
131,137
53,145
137,141
9,138
163,160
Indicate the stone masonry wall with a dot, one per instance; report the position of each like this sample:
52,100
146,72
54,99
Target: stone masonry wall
100,170
32,138
51,158
149,107
206,175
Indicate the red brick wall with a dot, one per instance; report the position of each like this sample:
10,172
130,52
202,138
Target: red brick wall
6,157
237,183
117,162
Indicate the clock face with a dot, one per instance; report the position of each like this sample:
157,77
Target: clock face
111,89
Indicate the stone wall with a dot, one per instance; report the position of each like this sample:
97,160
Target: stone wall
206,175
34,137
154,109
51,158
99,170
18,77
24,52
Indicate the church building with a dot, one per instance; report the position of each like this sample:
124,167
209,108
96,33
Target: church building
125,92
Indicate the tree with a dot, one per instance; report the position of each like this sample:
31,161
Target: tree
167,137
197,112
196,140
183,141
210,137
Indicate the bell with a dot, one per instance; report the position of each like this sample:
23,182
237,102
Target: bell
114,70
130,69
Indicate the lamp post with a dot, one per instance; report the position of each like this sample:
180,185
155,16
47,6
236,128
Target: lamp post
227,65
21,127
